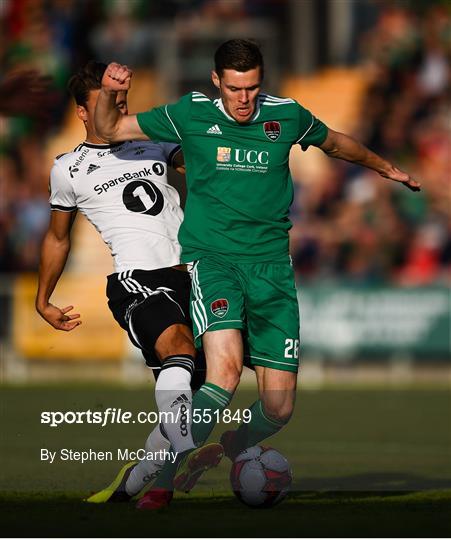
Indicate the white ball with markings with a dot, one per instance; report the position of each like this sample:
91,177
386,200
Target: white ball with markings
260,477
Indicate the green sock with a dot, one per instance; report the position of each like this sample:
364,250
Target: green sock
259,428
210,398
164,479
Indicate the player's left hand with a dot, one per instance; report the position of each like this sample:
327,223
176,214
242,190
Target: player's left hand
397,175
60,318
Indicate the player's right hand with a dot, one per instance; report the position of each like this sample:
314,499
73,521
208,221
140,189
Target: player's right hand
404,178
60,318
116,78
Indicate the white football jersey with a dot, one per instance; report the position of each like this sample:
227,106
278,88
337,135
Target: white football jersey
123,190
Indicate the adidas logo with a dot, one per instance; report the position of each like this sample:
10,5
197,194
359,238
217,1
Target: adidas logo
92,168
181,399
214,130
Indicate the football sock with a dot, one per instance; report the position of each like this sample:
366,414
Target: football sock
146,470
173,396
213,400
210,398
259,428
166,476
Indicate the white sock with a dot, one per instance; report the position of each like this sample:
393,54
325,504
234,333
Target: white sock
147,470
174,397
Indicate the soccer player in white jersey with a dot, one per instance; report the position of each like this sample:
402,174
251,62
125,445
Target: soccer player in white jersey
122,189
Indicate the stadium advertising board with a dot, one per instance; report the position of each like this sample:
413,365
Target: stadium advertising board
348,322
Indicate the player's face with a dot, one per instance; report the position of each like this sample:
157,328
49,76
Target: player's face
239,91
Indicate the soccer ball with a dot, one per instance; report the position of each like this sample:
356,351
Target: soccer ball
260,477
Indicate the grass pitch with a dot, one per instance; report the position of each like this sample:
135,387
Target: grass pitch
365,463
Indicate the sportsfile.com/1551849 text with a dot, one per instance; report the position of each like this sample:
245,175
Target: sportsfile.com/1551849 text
113,415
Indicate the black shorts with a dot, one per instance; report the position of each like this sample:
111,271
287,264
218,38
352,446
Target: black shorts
146,302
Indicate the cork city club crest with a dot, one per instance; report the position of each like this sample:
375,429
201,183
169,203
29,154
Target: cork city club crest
272,130
219,307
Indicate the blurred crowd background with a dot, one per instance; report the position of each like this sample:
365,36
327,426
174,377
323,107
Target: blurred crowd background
348,224
372,259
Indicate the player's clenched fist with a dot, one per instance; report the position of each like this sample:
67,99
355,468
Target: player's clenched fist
116,77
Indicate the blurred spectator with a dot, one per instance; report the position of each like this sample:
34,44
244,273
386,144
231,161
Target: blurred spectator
123,35
364,231
25,93
30,48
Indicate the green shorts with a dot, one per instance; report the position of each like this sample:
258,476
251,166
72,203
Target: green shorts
258,298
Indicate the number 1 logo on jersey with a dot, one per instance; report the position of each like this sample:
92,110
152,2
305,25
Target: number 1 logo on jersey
143,197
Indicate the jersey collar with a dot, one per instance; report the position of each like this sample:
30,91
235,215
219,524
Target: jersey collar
220,105
102,146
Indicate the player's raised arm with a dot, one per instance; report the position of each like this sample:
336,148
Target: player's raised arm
54,252
110,124
344,147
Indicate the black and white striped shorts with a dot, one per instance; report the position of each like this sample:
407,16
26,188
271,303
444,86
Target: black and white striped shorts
146,302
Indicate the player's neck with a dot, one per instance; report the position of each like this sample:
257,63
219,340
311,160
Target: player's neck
92,138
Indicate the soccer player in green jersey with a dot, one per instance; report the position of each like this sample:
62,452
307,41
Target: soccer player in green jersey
235,231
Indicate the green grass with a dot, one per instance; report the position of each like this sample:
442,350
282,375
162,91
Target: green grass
368,462
310,514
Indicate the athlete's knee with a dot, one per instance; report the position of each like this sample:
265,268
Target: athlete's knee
177,339
225,372
224,355
231,374
224,369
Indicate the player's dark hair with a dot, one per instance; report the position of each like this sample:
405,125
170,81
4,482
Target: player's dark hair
240,55
86,79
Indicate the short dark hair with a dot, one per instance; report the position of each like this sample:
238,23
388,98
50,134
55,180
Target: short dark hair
238,54
86,79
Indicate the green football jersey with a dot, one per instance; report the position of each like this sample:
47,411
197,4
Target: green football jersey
238,179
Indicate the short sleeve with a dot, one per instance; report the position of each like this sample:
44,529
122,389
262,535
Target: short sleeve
166,123
312,132
169,151
62,196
